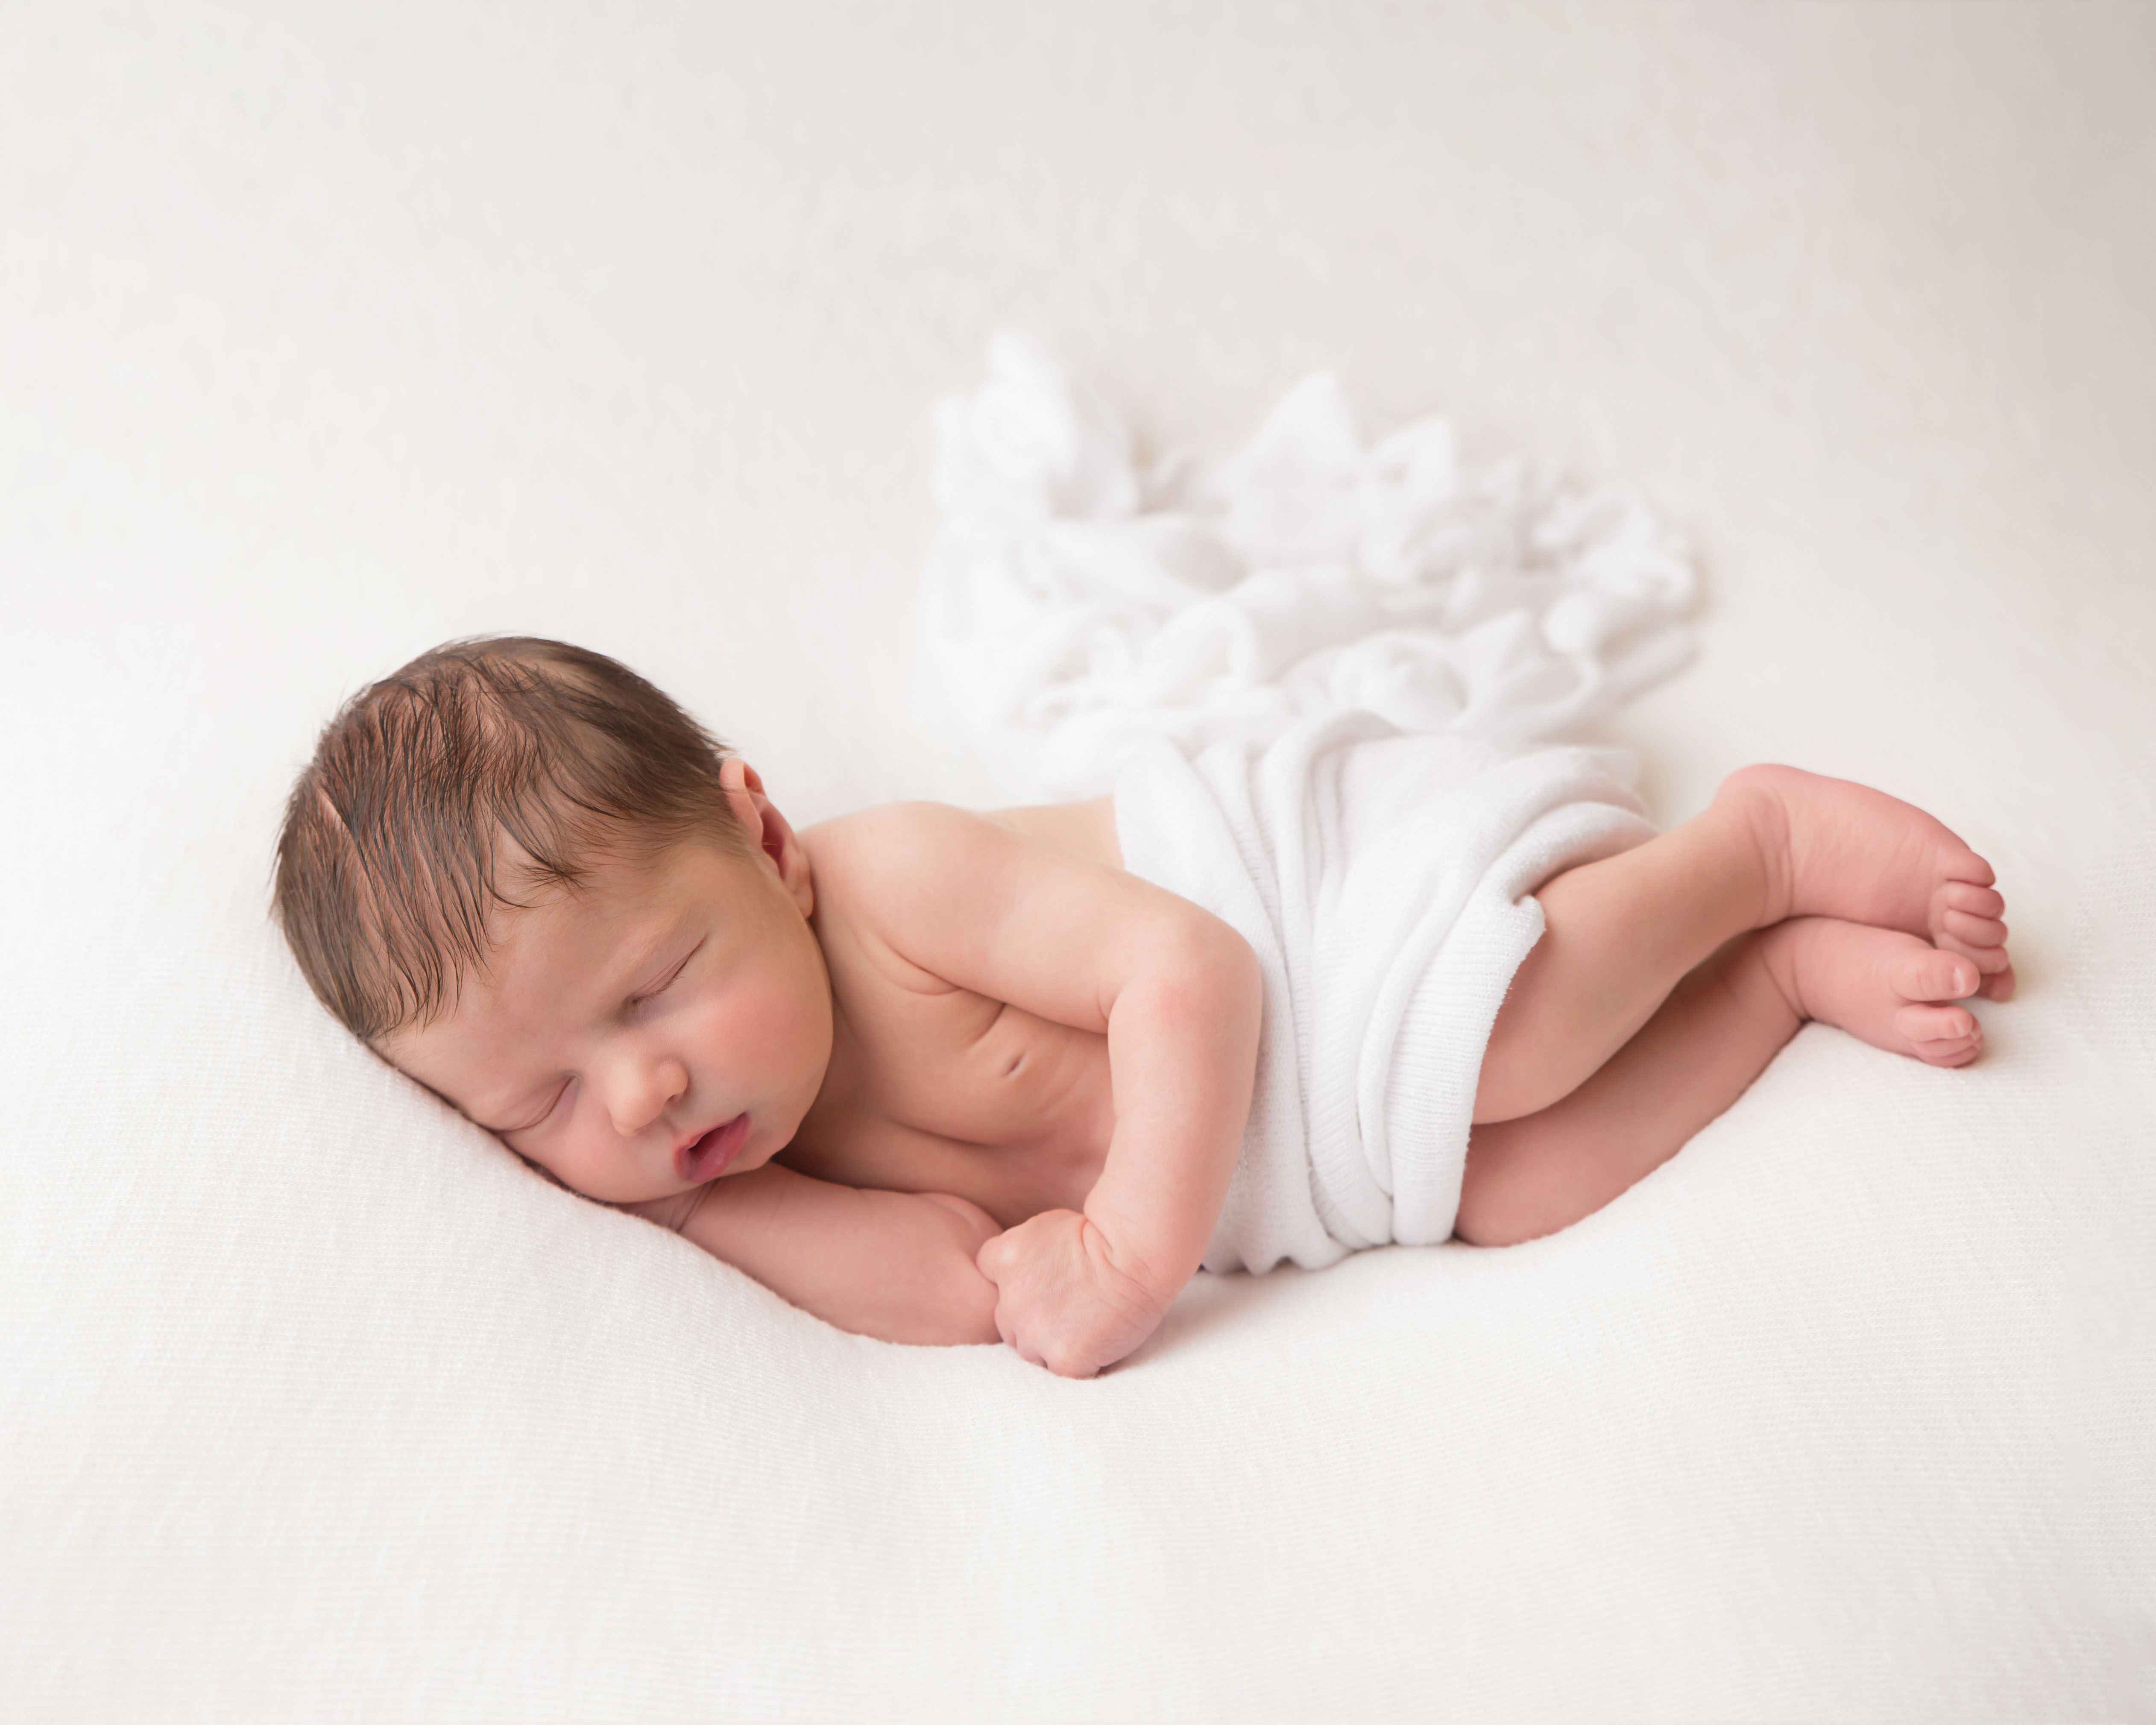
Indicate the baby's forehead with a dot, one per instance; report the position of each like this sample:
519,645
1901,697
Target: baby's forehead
602,878
551,964
600,926
586,921
598,899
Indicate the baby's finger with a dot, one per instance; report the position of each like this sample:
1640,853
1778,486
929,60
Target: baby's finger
1025,1343
1068,1363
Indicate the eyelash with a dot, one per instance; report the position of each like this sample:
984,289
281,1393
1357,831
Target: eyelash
545,1114
672,977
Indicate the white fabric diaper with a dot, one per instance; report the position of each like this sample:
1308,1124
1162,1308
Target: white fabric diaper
1383,879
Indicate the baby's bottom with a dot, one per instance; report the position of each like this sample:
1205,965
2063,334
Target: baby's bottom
1668,977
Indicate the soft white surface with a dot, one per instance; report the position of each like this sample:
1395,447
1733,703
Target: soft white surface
326,333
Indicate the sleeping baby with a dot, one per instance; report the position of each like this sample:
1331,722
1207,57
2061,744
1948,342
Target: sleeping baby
939,1076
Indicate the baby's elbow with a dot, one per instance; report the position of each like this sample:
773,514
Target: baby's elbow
956,1304
1206,955
1241,960
1233,979
971,1311
946,1304
976,1227
956,1309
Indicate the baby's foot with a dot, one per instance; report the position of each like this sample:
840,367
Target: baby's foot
1890,988
1834,848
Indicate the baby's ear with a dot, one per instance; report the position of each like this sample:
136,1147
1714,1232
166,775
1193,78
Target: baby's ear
761,821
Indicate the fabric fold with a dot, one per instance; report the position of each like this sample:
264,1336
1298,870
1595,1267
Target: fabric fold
1384,881
1110,604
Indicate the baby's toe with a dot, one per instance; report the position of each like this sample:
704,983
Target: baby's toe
1923,1023
1974,929
1922,973
1971,931
1971,899
1940,1035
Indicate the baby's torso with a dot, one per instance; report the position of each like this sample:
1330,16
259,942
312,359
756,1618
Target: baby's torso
936,1088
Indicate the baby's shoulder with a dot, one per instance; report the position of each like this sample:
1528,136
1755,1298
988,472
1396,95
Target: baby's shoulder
886,877
889,851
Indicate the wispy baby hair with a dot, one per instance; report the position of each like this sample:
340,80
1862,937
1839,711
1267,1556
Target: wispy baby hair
483,773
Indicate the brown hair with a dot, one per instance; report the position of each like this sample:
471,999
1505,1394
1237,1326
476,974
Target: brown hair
481,773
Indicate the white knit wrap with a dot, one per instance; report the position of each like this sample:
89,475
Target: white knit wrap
1383,880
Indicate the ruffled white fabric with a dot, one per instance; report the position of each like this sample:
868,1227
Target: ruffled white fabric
1109,605
1310,674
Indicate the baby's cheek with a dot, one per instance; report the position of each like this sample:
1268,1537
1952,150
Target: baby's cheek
584,1155
761,1029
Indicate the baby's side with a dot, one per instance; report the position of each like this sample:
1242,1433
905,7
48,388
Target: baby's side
1020,1122
1058,1052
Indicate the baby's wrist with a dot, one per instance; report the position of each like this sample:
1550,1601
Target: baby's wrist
1144,1283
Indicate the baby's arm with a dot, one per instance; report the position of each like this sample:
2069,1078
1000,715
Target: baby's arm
1179,995
894,1264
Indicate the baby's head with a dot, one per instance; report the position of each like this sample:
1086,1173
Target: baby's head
529,880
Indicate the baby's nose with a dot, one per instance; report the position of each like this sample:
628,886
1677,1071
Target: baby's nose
641,1091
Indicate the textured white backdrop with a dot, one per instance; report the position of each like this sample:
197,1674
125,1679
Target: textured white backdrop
326,333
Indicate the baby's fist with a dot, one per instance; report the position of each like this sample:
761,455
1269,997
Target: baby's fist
1060,1301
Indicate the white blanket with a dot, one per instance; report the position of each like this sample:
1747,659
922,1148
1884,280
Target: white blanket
1383,880
326,333
1110,604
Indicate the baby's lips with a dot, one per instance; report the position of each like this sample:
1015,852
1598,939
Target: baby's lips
706,1158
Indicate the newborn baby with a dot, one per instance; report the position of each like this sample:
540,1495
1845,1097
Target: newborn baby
942,1077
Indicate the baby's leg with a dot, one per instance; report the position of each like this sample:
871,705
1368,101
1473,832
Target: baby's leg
1777,843
1712,1037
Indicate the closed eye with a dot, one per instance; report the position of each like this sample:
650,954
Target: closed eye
541,1116
647,995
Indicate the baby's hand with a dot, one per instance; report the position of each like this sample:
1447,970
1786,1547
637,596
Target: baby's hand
1059,1301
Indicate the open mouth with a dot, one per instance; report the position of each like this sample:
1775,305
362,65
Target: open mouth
706,1158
